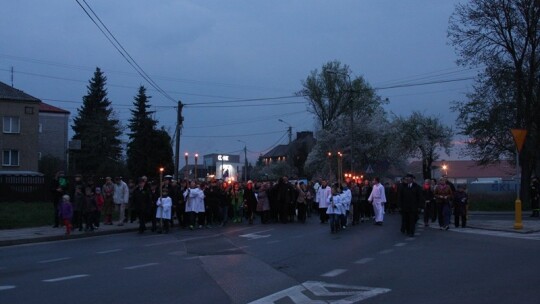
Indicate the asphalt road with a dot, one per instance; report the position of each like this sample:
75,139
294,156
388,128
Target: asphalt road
277,263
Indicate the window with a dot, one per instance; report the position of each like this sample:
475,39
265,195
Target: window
40,130
10,158
28,110
12,124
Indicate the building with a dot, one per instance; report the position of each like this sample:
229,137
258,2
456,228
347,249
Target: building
20,129
53,132
295,153
467,171
223,166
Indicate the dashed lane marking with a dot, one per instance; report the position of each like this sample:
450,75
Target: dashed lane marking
140,266
7,287
334,273
54,260
108,251
387,251
72,277
364,261
400,244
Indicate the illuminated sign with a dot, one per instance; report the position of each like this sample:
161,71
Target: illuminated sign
223,157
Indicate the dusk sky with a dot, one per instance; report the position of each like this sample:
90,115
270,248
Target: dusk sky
211,54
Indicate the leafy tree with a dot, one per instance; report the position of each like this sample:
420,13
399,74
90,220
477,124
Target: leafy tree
421,136
341,106
148,149
331,94
504,36
97,129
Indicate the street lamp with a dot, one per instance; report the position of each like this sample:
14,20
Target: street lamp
196,157
329,166
186,169
245,159
340,167
445,168
161,182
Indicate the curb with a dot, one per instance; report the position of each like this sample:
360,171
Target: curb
63,237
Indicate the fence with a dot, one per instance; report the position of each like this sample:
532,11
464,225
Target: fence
24,188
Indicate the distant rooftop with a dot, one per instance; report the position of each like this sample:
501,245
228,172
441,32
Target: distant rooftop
47,108
9,93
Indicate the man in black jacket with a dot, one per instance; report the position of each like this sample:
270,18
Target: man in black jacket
410,199
142,202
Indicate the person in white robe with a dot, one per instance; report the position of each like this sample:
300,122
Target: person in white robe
378,199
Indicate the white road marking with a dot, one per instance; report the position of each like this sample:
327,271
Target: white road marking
400,244
273,242
54,260
334,273
6,287
77,276
410,239
364,261
387,251
108,251
334,293
140,266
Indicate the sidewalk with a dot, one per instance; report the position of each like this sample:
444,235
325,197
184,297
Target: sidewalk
496,221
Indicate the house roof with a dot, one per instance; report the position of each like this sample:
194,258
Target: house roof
280,150
9,93
469,169
47,108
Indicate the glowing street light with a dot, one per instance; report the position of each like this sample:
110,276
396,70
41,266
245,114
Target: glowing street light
196,158
186,169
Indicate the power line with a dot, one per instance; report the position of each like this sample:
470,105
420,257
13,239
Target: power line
123,52
228,136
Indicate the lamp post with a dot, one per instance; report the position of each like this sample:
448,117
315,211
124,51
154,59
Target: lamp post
340,167
196,158
329,166
245,159
186,169
161,182
445,168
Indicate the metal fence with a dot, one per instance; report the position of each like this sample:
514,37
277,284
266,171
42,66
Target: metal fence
23,188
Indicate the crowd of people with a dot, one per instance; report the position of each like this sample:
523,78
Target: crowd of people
84,204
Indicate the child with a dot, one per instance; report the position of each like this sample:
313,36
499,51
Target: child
65,212
335,210
100,200
163,213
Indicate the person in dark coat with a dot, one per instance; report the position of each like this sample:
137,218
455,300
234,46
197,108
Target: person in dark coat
430,207
250,201
59,188
142,203
410,199
284,196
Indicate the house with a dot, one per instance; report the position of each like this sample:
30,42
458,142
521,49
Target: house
295,153
53,133
20,129
467,171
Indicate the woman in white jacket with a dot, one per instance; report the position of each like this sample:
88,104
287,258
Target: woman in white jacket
163,212
194,198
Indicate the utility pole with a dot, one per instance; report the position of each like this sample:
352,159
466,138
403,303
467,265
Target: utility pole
179,123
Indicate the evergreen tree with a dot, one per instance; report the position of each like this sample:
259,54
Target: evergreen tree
98,131
142,127
148,148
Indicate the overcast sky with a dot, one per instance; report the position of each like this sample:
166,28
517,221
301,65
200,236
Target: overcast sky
205,51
